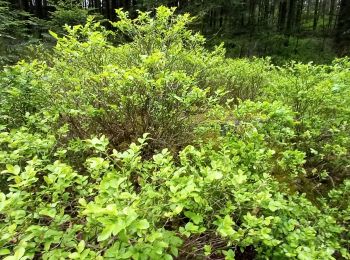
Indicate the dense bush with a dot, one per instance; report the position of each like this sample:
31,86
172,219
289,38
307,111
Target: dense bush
156,148
320,96
67,15
153,84
22,91
120,206
241,78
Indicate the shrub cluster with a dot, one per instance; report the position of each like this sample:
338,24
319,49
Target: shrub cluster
156,148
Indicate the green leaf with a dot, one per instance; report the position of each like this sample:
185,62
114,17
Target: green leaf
105,234
174,251
225,226
274,205
4,251
15,170
53,34
74,255
50,212
177,209
118,226
194,217
229,254
214,175
81,246
19,252
239,178
167,257
142,224
207,250
191,227
48,180
82,202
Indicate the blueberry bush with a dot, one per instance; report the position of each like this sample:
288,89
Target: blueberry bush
139,143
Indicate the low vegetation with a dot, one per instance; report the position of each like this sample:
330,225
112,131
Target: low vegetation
157,148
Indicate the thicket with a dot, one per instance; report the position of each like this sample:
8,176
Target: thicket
157,148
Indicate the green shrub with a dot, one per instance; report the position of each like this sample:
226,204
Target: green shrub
337,205
154,84
241,78
120,206
320,96
233,140
67,14
22,91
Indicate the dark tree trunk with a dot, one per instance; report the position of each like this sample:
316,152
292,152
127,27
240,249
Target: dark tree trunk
106,7
214,19
211,18
273,11
342,36
44,9
298,18
221,19
291,17
316,15
97,5
242,19
39,8
282,13
127,5
112,7
26,5
331,13
21,4
251,20
266,12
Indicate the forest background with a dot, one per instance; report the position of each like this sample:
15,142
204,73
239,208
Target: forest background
304,30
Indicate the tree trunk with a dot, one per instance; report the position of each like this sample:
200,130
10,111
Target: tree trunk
291,17
106,8
282,12
21,4
273,11
266,12
39,8
300,7
342,36
112,5
316,15
251,20
221,19
308,8
44,7
331,13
